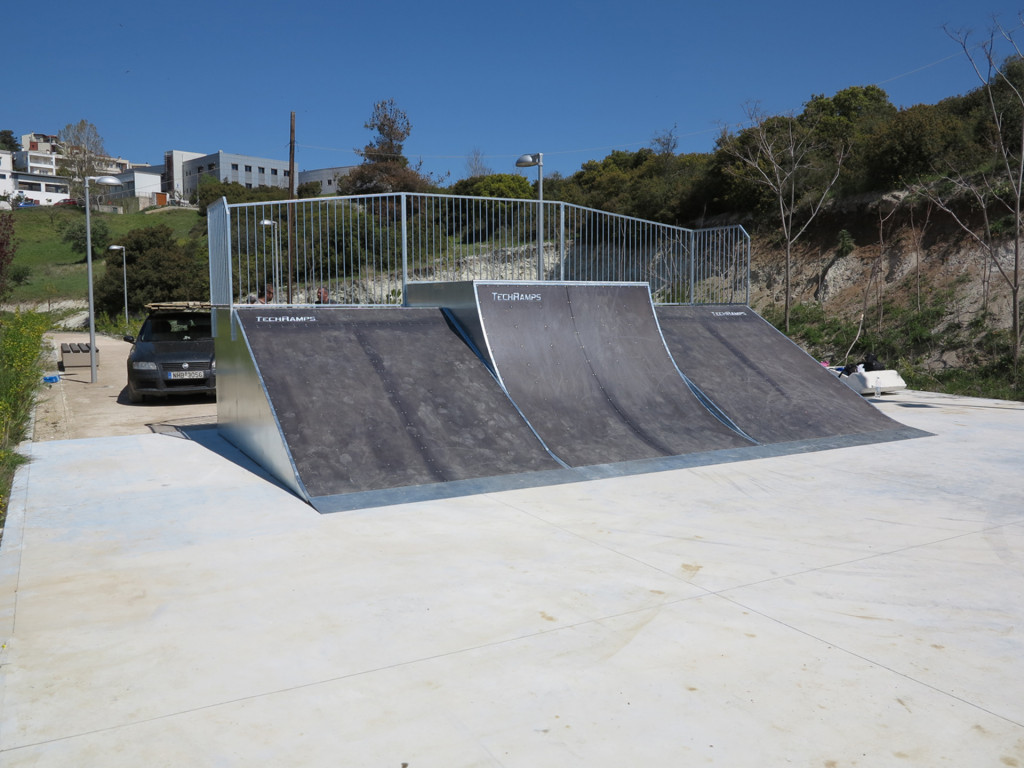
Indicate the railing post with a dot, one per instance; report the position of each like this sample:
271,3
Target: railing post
693,262
405,252
746,253
561,241
540,231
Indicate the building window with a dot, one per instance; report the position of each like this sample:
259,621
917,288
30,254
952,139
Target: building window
209,167
262,169
248,169
248,186
329,182
286,173
273,171
234,166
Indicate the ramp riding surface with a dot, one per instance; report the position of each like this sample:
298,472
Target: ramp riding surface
764,382
372,398
587,367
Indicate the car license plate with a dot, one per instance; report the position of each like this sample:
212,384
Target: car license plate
185,375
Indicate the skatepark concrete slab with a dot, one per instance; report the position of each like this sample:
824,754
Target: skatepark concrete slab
163,602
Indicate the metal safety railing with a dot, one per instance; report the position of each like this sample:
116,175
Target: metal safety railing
366,249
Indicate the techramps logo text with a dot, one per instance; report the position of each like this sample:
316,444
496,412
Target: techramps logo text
515,296
285,319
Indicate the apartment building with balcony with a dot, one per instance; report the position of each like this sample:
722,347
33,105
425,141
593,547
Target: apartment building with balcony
6,173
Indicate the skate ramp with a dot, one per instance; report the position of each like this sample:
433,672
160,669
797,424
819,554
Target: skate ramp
587,366
764,382
369,399
500,385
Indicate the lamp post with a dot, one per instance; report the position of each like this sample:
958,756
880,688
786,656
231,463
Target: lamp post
273,253
107,181
124,274
528,161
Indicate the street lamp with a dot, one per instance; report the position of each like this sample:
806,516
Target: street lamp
528,161
124,273
107,181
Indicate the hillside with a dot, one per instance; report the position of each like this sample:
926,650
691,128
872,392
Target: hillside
932,304
46,267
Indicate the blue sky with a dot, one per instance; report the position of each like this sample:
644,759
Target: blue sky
573,79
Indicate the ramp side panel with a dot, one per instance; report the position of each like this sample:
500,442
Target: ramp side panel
587,367
244,414
768,385
377,398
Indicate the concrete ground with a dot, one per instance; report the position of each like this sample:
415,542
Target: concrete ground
162,603
75,407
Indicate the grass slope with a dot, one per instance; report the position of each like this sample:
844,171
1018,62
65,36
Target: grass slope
57,272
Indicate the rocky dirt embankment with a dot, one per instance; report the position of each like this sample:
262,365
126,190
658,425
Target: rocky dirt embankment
904,266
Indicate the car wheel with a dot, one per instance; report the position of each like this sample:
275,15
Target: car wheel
133,396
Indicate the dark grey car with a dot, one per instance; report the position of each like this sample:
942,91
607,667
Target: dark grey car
173,354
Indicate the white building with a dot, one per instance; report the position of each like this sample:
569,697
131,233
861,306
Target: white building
41,142
246,170
6,179
327,178
6,172
36,162
141,187
174,172
41,188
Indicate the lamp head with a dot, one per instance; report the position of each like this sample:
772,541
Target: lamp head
106,181
528,161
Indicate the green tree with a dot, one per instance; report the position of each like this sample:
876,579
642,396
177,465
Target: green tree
8,141
210,190
384,168
392,127
507,185
73,233
8,245
479,223
851,118
913,144
309,189
159,269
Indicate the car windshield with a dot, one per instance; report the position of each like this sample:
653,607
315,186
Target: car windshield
184,326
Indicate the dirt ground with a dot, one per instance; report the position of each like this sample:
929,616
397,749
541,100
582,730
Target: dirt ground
76,408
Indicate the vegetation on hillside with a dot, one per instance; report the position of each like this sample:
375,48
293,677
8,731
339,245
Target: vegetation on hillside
21,336
50,263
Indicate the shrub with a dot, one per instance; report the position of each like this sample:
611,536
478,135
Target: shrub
21,338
